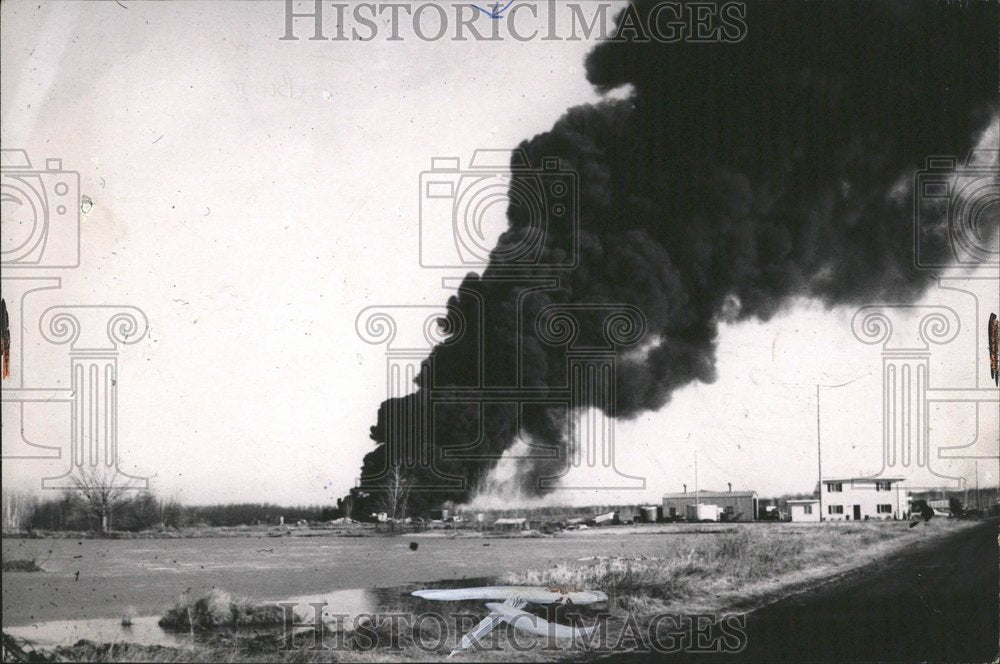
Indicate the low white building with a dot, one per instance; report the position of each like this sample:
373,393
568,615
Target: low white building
806,509
512,523
861,498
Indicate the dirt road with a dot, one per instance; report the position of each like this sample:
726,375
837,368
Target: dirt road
929,603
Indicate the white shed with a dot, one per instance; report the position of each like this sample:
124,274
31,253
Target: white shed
804,510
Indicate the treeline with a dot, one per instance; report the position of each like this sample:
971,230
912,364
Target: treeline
144,510
985,500
242,514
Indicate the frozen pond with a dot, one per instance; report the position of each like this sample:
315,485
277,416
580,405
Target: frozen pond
88,585
144,630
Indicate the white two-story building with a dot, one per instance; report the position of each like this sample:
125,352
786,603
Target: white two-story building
860,498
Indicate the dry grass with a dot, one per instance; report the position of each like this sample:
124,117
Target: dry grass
22,566
220,609
733,570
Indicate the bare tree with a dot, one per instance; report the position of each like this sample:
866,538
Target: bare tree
395,493
104,491
18,508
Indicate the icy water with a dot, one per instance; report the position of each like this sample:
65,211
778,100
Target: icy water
341,608
88,585
144,630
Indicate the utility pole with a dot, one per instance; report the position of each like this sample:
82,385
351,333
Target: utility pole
819,458
819,449
979,504
697,496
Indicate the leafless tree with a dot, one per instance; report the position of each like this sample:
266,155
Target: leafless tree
104,491
18,507
395,493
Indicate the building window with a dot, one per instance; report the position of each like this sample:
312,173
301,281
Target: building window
885,509
834,487
836,509
883,486
807,509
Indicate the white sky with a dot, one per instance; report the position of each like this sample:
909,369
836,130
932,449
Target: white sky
253,195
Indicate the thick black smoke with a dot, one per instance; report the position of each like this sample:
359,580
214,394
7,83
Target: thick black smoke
735,177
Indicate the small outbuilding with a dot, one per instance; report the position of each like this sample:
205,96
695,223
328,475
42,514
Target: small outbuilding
606,519
512,523
805,510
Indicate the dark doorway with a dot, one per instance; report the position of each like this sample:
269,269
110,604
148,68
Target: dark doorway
857,512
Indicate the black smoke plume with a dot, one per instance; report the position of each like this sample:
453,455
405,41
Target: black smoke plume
734,177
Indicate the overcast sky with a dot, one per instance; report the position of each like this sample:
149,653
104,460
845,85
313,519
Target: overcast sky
253,195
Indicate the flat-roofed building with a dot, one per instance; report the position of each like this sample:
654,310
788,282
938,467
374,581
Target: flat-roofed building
733,505
804,510
860,498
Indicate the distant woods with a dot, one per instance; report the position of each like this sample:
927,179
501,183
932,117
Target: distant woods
141,510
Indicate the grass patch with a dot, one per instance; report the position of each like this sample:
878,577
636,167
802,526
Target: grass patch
21,566
639,585
221,609
730,570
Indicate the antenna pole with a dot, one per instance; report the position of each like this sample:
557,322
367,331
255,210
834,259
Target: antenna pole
979,504
697,496
819,458
819,449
